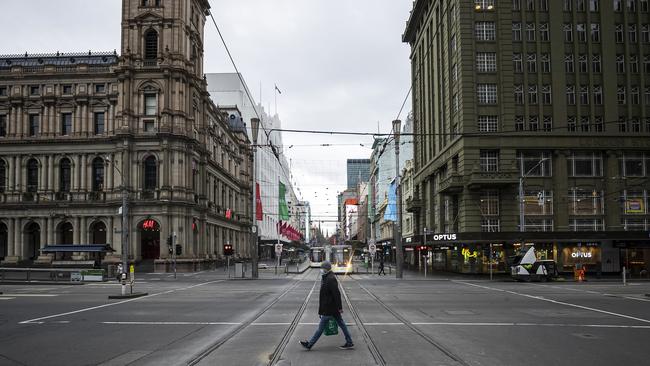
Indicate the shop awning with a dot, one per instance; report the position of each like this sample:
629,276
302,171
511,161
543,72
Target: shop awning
86,248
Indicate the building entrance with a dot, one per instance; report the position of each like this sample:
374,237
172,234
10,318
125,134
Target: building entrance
150,239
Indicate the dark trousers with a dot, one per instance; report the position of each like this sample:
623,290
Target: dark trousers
381,270
321,327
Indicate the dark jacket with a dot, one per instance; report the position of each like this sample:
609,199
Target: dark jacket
329,302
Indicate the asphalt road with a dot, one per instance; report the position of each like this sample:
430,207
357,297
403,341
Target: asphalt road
206,319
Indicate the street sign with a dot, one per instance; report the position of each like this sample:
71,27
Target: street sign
278,249
372,248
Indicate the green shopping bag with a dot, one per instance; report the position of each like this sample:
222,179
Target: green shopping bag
332,328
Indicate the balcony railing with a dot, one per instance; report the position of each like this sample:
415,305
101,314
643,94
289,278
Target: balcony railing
453,183
493,179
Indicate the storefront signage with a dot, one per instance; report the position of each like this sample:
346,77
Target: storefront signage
467,254
581,255
634,206
439,237
149,224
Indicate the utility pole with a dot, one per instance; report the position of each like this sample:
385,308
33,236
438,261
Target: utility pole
399,254
255,127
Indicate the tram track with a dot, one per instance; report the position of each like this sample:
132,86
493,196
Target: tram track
196,359
451,355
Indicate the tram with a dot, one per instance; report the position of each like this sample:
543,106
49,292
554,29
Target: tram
341,259
316,256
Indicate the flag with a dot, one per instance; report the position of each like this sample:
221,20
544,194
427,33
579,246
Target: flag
258,203
391,209
283,210
278,90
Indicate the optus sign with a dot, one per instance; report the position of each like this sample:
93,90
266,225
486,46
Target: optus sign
581,255
439,237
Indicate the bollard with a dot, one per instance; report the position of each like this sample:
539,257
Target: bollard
624,275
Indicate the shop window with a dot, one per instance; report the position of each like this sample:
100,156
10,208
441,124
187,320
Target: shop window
586,202
634,202
538,202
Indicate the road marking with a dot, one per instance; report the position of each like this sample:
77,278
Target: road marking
595,292
171,323
264,324
114,303
558,302
31,295
536,325
7,298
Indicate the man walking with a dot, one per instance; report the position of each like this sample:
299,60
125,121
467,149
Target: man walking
329,307
381,266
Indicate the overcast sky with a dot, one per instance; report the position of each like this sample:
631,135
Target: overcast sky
340,65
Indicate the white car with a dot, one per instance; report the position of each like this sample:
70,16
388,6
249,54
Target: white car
263,266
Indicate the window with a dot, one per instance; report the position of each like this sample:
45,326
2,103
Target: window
586,225
99,123
570,94
568,63
634,95
571,124
487,93
150,2
455,103
151,45
631,5
580,5
530,5
490,210
532,94
598,95
634,64
32,175
538,202
519,94
585,164
646,63
647,129
583,64
516,31
568,5
519,123
632,202
3,176
66,124
618,34
543,5
66,89
516,4
100,88
34,90
485,31
3,125
149,125
150,104
538,224
454,73
489,160
645,33
484,4
33,124
636,125
546,95
622,124
595,33
584,94
543,32
598,124
594,5
620,64
581,31
548,124
584,124
620,95
533,123
596,64
635,223
534,164
517,62
585,202
150,174
644,5
453,42
531,62
618,5
530,32
647,95
488,123
486,61
3,91
98,175
568,33
65,175
631,31
546,62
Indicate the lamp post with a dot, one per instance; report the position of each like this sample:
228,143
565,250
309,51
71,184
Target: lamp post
125,226
255,129
522,227
397,231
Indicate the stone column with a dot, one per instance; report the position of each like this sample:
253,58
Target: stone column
109,173
44,233
77,230
84,173
42,177
560,189
50,175
76,169
11,232
83,231
18,166
18,238
50,231
11,171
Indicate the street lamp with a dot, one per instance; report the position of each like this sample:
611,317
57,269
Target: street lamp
255,129
125,226
397,232
522,227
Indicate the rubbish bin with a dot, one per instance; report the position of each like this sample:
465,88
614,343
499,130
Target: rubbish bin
239,270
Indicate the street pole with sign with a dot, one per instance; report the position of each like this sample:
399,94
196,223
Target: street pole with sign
255,127
399,254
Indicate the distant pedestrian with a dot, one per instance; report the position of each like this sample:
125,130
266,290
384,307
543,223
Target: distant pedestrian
381,266
329,307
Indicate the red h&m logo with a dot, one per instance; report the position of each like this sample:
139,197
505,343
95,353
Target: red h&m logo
149,225
228,214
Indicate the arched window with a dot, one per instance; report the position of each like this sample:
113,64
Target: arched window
3,176
98,175
32,175
65,233
150,174
65,173
98,233
151,45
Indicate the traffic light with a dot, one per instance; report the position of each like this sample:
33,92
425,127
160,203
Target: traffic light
179,249
227,250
